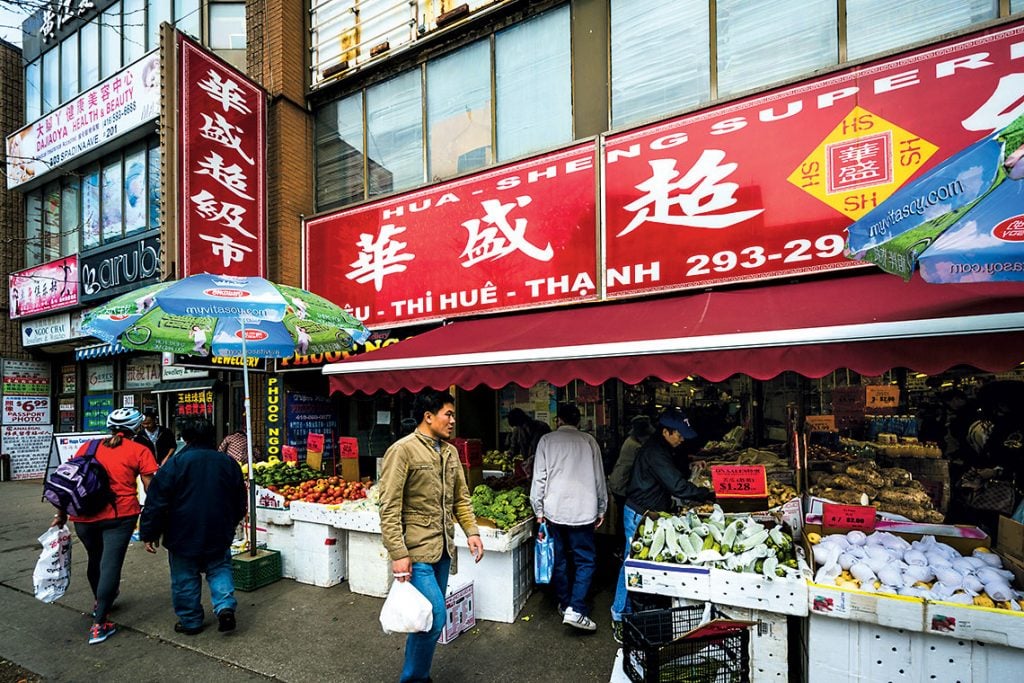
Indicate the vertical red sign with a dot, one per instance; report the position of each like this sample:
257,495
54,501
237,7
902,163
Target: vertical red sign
222,152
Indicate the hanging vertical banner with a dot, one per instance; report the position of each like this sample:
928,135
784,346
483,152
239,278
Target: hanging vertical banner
222,152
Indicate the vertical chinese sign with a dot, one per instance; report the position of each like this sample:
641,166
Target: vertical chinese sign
222,137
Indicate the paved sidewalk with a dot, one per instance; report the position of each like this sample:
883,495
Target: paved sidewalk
286,631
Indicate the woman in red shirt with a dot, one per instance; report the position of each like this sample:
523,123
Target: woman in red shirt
106,535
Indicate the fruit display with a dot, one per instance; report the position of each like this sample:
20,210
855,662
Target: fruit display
888,489
504,508
740,543
883,562
499,460
325,490
273,472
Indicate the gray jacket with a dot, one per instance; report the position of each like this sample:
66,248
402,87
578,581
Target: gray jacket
568,478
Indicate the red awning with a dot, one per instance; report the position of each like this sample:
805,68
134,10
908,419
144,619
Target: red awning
868,323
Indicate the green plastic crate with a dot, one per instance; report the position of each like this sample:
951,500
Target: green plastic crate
255,571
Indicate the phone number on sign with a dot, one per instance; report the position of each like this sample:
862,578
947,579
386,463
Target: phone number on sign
794,251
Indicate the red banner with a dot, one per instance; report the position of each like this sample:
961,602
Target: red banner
222,155
765,187
41,289
519,236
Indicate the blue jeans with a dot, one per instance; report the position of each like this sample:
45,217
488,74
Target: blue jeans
106,543
575,543
621,605
432,581
187,586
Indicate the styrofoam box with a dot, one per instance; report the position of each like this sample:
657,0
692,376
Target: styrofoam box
340,516
279,537
840,650
503,581
893,611
981,624
320,553
754,591
672,580
496,540
369,565
461,613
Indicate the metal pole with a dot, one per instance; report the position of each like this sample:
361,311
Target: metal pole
248,444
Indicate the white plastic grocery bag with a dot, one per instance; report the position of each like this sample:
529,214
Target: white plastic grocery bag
406,610
52,574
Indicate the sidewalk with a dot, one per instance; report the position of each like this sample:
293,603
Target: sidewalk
287,631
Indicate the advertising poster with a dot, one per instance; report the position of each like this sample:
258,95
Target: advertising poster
65,446
26,378
91,210
26,410
307,414
41,289
99,377
135,217
28,447
95,408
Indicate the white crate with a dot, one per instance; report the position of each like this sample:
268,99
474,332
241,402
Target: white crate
893,611
503,581
980,624
279,537
369,565
320,553
460,611
497,540
754,591
673,580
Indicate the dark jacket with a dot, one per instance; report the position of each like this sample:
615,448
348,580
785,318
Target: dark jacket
656,478
194,502
165,442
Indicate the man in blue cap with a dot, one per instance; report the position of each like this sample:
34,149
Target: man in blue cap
655,480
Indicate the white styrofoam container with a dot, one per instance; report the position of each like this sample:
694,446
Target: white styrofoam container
279,537
497,540
320,553
981,624
893,611
369,565
502,581
672,580
754,591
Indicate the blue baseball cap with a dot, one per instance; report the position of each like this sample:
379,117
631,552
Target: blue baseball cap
677,420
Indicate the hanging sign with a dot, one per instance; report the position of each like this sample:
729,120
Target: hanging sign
739,481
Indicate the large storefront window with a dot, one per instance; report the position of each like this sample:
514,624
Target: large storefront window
394,132
227,25
339,151
870,31
70,216
459,111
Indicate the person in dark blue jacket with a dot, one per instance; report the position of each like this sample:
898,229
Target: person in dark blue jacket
194,503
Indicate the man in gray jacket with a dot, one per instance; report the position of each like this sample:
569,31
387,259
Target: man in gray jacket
570,495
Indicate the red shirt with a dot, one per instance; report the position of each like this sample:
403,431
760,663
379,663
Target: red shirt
123,465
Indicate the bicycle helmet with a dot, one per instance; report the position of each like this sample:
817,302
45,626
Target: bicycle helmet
125,418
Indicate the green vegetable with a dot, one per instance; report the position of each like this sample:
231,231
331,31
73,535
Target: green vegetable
504,508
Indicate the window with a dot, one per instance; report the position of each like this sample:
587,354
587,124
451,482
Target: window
763,41
339,152
534,87
33,229
68,67
33,91
459,111
871,29
188,18
227,26
154,184
91,208
51,222
69,216
134,32
111,200
135,191
159,12
89,64
649,83
394,133
110,41
1016,6
51,80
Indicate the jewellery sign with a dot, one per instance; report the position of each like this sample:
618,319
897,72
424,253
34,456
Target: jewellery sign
519,236
116,106
222,151
41,289
766,186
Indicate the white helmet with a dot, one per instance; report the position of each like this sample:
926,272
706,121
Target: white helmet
125,418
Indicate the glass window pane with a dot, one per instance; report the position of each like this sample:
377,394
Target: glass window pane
112,223
51,222
33,229
339,152
459,111
51,80
1016,6
227,26
874,26
188,18
33,91
91,208
135,191
69,216
395,133
69,67
154,186
159,12
110,41
534,85
764,41
89,39
646,83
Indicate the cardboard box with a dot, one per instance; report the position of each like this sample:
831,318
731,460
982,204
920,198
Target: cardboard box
461,614
1010,538
350,469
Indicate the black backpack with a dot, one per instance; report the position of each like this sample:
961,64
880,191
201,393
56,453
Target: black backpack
81,486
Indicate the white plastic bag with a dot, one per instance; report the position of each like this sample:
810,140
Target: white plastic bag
406,610
52,574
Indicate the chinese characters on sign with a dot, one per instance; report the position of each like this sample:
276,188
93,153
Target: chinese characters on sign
44,288
60,12
195,404
222,167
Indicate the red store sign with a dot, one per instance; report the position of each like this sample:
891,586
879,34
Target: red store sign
223,151
41,289
514,237
765,187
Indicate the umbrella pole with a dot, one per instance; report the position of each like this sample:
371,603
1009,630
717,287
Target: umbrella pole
248,445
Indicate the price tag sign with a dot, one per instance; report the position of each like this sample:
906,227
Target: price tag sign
289,454
739,481
858,517
348,447
315,442
821,423
882,396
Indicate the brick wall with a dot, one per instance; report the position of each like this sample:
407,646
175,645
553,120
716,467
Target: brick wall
12,213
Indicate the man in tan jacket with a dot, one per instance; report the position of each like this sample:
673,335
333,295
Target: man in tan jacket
423,493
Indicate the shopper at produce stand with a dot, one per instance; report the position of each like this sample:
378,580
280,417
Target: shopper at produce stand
106,534
156,438
234,444
194,503
640,430
654,482
526,434
423,493
569,495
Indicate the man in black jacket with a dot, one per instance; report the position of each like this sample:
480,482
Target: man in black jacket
158,439
655,480
194,502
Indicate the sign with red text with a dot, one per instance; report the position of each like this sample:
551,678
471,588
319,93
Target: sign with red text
348,447
315,442
222,129
820,423
518,236
26,377
849,517
120,104
289,454
40,289
739,481
766,186
26,410
28,447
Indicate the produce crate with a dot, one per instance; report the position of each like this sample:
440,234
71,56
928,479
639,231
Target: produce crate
255,571
652,650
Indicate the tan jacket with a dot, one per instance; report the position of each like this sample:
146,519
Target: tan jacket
422,495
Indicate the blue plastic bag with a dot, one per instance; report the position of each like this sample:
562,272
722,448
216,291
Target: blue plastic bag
543,555
1018,514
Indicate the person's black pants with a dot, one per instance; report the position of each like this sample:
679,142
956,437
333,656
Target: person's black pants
106,543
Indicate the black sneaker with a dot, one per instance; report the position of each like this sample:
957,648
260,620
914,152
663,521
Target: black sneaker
617,631
226,620
178,628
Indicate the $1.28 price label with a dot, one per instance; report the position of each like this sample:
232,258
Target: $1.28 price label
739,481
